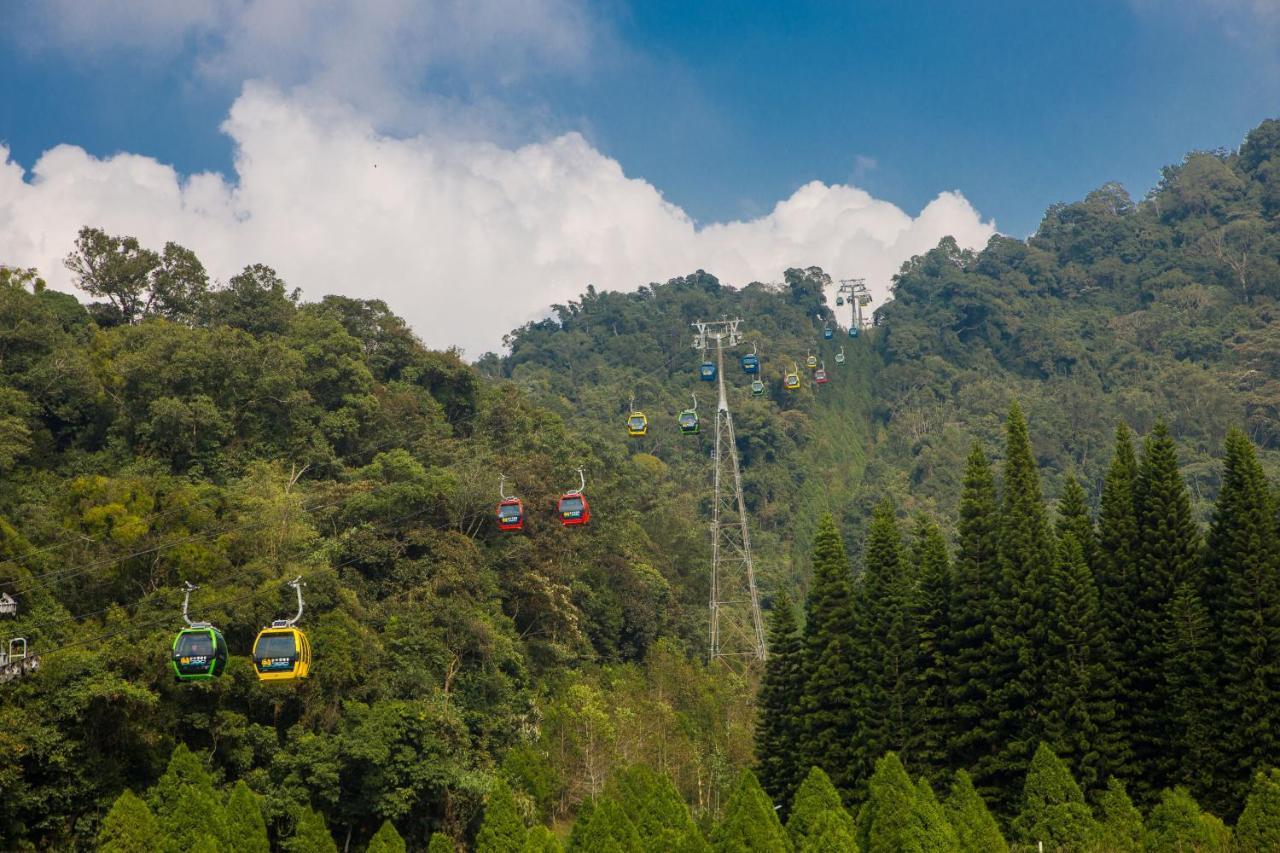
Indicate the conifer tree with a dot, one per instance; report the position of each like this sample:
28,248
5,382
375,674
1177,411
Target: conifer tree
129,827
831,833
932,831
539,840
932,731
652,803
245,824
387,840
1243,595
1074,519
887,639
1176,824
971,653
781,692
816,799
310,835
1079,704
1258,829
1053,806
502,828
605,828
1026,558
750,823
441,843
185,803
1119,822
1169,554
975,826
1187,644
1115,573
831,702
885,821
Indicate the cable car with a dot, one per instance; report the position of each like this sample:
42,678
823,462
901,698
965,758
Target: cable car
792,380
853,331
282,652
688,419
707,371
840,356
757,388
751,361
637,424
820,375
839,300
811,362
828,333
510,509
573,507
199,651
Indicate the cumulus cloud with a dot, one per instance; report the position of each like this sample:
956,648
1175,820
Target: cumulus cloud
465,240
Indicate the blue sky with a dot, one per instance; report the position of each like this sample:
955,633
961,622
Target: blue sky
539,134
728,107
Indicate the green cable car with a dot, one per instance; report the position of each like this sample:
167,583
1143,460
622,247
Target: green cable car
688,419
199,651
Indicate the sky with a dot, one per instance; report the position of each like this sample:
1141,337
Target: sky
473,161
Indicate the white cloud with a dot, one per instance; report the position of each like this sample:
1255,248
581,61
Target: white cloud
465,240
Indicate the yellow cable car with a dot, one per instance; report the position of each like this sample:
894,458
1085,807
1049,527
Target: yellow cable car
791,381
811,362
637,424
282,652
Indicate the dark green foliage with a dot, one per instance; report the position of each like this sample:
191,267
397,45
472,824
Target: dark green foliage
1053,807
1080,690
886,820
185,803
129,827
604,827
502,827
817,802
932,729
1258,829
830,727
1188,646
1119,822
975,827
1242,592
1176,824
1169,555
750,822
387,840
781,692
973,608
309,834
246,825
1074,519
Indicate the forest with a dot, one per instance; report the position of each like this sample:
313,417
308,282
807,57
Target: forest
1020,558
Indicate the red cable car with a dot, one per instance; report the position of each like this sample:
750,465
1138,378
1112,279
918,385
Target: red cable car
510,510
820,375
573,507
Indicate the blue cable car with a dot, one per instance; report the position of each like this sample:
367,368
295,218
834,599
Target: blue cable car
853,331
751,363
707,371
828,333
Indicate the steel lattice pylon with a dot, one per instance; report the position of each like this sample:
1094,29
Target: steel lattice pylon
736,629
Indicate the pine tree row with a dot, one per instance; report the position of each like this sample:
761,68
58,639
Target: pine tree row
1136,648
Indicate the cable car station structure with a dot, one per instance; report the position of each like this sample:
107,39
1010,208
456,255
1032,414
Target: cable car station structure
737,630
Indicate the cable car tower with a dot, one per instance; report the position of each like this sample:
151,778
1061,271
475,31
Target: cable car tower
858,295
737,631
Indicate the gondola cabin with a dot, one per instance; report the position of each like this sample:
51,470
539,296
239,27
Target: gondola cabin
511,515
751,363
757,388
853,331
199,653
840,357
839,300
573,509
707,372
828,332
281,653
811,362
791,381
688,421
637,424
820,376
